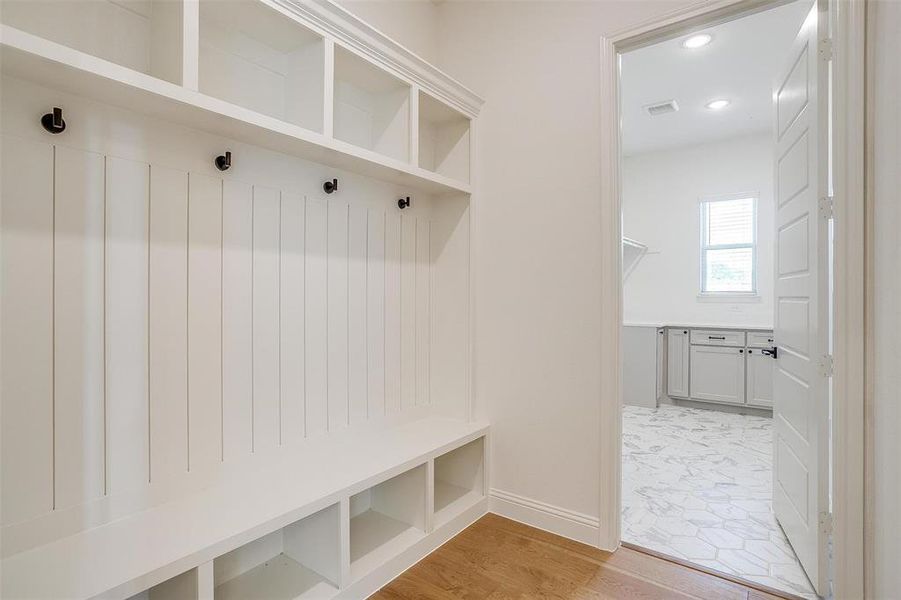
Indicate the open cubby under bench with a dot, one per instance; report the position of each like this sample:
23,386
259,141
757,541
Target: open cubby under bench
354,513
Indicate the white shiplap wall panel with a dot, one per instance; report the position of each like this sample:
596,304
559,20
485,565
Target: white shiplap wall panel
291,304
375,312
357,364
266,329
168,310
337,314
197,319
408,312
79,417
237,320
204,321
127,426
423,311
26,320
393,367
316,318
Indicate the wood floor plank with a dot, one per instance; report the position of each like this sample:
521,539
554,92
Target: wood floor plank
499,559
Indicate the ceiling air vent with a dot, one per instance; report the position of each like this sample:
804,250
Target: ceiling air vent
662,108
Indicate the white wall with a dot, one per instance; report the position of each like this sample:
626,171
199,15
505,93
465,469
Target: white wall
660,209
885,418
538,245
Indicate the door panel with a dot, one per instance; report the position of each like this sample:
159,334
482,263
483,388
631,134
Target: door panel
800,399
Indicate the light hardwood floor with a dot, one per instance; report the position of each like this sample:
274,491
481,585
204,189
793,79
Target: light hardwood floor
499,559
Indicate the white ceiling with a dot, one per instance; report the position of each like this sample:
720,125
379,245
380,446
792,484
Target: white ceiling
740,64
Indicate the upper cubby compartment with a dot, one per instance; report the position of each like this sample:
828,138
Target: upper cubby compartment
144,35
443,139
372,107
256,57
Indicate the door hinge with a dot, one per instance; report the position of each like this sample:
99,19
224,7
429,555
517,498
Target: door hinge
825,48
827,207
826,523
827,366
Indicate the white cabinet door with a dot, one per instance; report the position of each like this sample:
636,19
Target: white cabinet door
718,374
677,363
760,378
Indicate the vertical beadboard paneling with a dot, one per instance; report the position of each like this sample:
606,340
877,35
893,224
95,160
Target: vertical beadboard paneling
204,321
26,329
79,420
266,343
315,318
357,383
168,286
408,312
291,309
337,314
423,310
237,319
392,312
375,312
127,446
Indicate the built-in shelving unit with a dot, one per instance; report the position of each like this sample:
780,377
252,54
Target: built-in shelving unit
444,139
302,560
249,69
230,475
459,480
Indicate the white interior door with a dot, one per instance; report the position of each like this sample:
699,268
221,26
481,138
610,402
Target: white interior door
800,390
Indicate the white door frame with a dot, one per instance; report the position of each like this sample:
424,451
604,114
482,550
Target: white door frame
848,19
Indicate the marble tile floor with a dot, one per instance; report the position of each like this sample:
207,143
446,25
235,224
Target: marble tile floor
697,485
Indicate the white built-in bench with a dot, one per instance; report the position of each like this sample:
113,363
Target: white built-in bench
339,519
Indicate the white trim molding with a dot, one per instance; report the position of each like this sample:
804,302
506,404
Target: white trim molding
547,517
367,41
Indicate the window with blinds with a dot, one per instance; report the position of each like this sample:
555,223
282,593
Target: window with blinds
729,246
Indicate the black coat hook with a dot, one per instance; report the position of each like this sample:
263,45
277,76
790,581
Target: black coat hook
403,203
224,162
53,121
330,186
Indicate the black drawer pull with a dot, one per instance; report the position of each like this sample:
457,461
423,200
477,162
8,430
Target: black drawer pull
716,337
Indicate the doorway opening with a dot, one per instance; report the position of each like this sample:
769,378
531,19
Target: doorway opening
726,311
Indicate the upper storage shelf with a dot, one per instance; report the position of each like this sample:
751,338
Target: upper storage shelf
144,35
443,139
372,107
266,72
255,57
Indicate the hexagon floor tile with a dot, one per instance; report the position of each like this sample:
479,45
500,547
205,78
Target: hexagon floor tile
697,485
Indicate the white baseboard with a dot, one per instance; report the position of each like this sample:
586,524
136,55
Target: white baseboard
563,522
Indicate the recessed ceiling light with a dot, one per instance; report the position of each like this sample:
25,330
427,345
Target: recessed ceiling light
717,104
697,41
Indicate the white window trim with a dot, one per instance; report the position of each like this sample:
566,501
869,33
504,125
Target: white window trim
750,296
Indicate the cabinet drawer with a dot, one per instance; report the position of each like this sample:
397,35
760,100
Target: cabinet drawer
709,337
760,339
